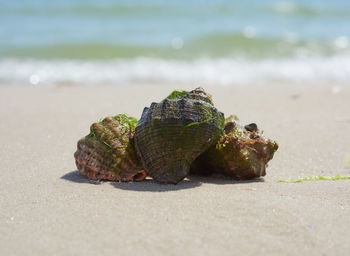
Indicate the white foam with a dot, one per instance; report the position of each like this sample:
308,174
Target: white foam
201,71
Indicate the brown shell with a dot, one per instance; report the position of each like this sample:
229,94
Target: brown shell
107,153
241,153
173,133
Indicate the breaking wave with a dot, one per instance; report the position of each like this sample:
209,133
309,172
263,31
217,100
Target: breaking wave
203,71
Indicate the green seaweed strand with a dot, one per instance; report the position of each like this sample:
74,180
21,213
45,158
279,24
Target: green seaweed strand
312,178
92,134
198,123
195,124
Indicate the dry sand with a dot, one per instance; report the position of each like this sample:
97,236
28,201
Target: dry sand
47,208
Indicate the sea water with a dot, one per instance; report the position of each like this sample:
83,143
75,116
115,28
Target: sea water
184,41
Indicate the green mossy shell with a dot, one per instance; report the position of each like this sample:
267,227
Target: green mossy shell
239,154
108,153
174,132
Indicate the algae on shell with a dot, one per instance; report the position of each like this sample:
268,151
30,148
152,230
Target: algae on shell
173,133
107,153
241,153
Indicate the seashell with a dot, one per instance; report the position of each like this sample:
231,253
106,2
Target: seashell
173,133
242,153
107,153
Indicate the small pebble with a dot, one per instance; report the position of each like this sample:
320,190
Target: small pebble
251,127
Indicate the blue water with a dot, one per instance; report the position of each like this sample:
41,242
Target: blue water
201,41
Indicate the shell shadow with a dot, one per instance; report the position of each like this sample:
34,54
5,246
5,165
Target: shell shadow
76,177
223,180
150,186
145,185
191,182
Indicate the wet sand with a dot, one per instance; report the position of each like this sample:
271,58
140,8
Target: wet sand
48,208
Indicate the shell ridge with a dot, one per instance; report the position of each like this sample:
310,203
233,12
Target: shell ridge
173,133
107,153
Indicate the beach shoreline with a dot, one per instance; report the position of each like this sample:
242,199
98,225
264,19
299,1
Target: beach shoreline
47,207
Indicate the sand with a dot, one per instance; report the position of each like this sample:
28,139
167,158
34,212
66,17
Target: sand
47,208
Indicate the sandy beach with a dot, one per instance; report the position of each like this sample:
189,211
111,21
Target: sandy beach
48,208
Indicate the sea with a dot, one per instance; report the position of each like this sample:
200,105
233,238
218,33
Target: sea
223,42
